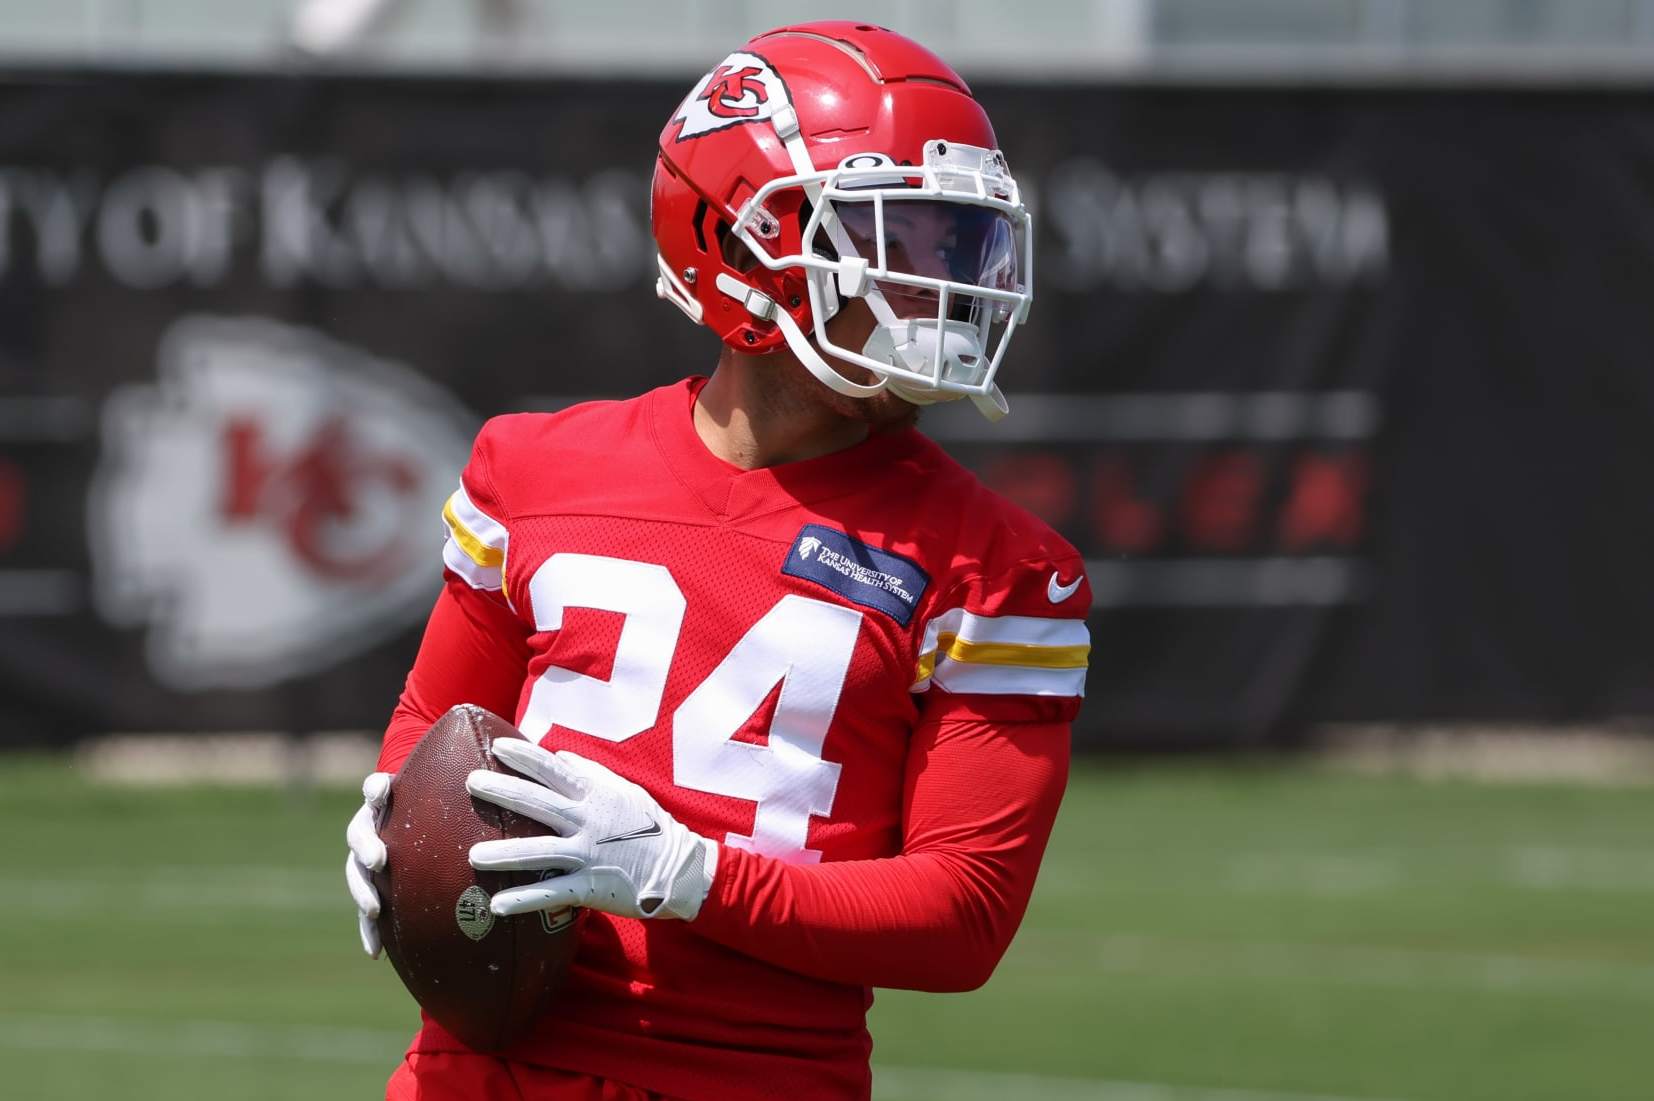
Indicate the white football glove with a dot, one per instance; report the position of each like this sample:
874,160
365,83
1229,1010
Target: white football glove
366,856
619,852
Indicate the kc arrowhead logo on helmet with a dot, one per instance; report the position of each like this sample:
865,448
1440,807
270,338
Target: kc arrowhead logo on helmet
742,88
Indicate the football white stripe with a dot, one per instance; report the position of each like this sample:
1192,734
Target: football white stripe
487,578
484,527
1021,630
1007,680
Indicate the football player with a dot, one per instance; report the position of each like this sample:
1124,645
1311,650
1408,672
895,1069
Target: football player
796,687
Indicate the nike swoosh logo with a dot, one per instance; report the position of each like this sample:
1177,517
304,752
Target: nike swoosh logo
1056,593
650,830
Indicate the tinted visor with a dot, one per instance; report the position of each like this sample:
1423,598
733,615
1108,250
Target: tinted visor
959,242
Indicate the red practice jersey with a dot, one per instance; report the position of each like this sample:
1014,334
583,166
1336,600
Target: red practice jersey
863,663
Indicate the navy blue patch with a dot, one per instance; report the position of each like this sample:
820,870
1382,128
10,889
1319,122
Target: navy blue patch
868,576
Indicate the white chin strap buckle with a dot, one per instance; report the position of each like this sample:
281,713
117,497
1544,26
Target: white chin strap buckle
756,303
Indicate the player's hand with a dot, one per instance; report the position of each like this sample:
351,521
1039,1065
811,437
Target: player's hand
619,852
366,856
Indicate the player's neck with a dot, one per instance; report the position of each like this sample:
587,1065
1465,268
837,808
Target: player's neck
750,415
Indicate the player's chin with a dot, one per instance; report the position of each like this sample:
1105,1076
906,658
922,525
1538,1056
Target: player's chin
882,412
885,412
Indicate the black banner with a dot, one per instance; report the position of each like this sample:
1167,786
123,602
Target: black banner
1343,393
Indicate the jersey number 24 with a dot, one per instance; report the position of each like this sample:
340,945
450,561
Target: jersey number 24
802,643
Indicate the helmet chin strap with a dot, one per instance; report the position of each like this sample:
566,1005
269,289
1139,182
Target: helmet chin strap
762,307
991,405
819,367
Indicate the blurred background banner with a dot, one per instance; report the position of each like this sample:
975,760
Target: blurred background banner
1343,393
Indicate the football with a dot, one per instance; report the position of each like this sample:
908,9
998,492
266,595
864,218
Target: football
483,978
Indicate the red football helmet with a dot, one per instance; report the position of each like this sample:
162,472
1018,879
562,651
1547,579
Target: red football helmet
836,160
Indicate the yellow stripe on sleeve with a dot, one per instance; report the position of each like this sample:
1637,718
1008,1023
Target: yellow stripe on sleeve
1013,653
1020,655
475,549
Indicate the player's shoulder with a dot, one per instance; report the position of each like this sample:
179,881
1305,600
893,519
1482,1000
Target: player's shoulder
1005,635
978,530
513,437
513,452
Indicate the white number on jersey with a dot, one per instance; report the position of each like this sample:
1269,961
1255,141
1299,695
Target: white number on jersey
802,644
805,645
629,701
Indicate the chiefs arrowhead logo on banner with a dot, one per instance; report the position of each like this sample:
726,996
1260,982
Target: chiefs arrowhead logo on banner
270,507
743,88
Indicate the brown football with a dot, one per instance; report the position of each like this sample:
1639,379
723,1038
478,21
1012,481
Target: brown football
484,978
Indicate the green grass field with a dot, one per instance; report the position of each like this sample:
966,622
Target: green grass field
1267,933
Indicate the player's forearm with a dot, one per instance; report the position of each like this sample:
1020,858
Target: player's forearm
402,733
910,922
981,799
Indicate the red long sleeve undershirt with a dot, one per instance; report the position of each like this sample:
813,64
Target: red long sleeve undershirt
979,801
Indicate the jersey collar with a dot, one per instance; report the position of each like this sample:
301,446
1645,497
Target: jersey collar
731,493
